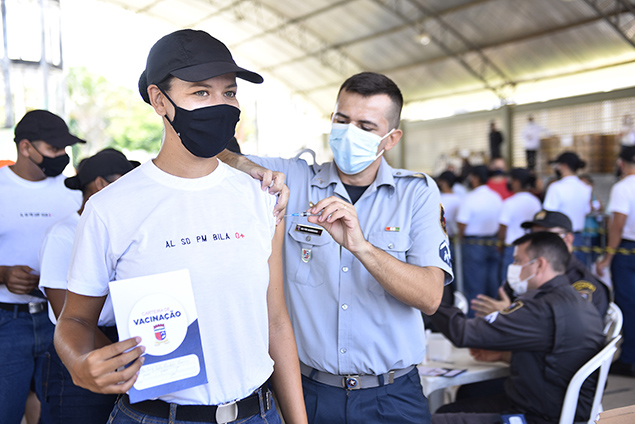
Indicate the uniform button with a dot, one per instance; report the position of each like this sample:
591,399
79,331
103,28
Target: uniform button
345,269
390,246
345,306
343,350
308,238
398,173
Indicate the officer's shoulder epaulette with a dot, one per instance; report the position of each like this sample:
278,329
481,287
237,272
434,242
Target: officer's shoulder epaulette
404,173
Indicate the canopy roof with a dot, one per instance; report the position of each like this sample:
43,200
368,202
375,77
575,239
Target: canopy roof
313,45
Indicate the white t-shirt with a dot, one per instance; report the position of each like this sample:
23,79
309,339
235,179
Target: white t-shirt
518,208
480,211
628,135
571,197
55,255
27,210
220,227
451,203
622,200
531,135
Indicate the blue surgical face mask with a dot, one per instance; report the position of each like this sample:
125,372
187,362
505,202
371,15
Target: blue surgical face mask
353,148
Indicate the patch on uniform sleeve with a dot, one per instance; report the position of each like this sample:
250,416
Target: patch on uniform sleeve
491,317
513,307
585,289
442,220
444,253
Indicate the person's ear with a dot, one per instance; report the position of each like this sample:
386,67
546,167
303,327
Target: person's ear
158,100
25,147
100,183
392,140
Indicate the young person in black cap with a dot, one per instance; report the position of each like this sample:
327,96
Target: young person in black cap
34,198
570,196
68,403
135,229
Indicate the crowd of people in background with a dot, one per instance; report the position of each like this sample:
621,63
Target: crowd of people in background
334,295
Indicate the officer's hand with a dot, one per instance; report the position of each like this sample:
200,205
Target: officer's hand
484,305
339,218
487,355
101,371
273,181
19,279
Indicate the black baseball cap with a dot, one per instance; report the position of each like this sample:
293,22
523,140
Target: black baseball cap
571,159
550,219
42,125
102,164
628,154
190,55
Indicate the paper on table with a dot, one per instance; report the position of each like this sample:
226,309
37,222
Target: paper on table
160,309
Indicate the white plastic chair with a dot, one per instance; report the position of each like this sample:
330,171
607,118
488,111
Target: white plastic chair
602,360
613,321
460,301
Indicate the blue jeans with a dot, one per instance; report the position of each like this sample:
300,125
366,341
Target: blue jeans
623,275
508,259
71,404
402,402
24,339
481,268
123,414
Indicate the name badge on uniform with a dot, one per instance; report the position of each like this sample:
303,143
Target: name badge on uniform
308,229
306,255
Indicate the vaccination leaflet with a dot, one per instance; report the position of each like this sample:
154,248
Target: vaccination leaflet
160,309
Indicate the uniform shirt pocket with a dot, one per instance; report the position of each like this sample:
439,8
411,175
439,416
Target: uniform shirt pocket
314,255
395,244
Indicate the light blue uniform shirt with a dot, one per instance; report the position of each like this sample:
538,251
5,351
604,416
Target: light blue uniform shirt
344,321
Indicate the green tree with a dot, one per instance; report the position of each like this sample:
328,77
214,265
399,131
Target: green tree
106,115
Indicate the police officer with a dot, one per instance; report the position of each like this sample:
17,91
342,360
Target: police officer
585,283
547,334
372,255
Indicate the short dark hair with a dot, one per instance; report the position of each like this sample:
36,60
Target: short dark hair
549,246
371,84
481,172
524,176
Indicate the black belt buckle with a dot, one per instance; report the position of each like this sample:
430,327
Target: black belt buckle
351,382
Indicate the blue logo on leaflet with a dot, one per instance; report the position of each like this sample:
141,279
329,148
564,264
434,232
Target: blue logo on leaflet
444,253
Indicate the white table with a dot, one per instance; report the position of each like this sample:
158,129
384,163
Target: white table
459,358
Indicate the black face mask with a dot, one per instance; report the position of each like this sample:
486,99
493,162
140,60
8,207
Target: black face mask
509,186
205,132
52,167
558,173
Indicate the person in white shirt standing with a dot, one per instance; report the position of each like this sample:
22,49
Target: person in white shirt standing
478,228
518,208
33,198
68,403
572,197
531,137
619,256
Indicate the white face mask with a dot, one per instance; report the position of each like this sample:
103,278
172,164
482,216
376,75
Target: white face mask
513,278
353,148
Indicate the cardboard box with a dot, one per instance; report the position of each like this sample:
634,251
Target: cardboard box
624,415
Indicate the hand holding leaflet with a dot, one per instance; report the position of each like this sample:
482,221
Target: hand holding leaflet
160,309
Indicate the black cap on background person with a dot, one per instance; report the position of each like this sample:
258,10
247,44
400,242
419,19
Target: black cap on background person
106,163
549,219
42,125
571,159
192,56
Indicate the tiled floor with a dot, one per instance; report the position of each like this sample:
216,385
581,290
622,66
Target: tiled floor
619,392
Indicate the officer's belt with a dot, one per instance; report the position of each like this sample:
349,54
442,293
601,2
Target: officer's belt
31,307
353,381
